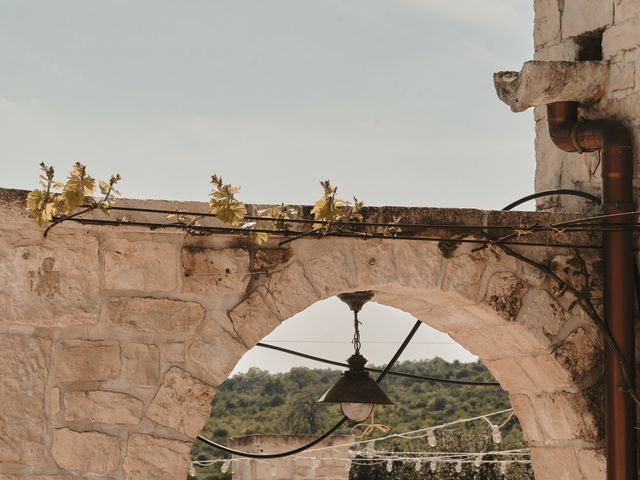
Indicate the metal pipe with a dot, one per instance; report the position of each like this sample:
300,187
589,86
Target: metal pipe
613,140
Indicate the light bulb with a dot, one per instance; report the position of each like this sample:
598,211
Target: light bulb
273,470
389,466
458,467
433,466
478,461
357,412
495,434
192,471
418,465
315,463
431,438
225,466
503,468
371,451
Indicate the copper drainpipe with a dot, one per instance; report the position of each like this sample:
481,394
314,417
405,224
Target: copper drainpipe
613,140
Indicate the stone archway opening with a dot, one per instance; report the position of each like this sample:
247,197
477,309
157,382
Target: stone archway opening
267,387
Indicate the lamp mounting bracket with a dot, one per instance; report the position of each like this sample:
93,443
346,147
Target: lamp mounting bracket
355,300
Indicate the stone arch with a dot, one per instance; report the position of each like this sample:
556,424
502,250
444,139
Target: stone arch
113,340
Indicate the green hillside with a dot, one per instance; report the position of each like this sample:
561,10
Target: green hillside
258,402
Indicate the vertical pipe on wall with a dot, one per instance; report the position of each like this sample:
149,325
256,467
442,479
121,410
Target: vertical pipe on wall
613,140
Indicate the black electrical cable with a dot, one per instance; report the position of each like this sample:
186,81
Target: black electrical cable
317,440
376,370
558,191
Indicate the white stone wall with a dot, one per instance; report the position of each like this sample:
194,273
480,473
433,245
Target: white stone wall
324,464
113,340
560,26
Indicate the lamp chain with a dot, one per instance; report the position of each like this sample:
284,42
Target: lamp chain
356,333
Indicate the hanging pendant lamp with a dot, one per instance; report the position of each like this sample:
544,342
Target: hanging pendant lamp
356,392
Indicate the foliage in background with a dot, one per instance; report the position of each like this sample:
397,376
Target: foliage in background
45,203
259,402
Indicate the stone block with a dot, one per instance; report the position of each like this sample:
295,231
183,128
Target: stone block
84,361
581,354
546,26
504,294
145,265
527,417
565,51
330,273
103,407
555,463
625,10
54,400
542,317
512,377
155,315
622,77
215,272
419,264
85,451
620,37
253,319
182,403
290,291
173,352
24,364
374,264
565,416
156,458
216,350
140,364
592,464
582,16
462,276
546,374
52,283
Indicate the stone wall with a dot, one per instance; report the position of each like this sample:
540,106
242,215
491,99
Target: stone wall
324,464
571,30
114,339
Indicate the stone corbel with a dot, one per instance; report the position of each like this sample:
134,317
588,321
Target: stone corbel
540,83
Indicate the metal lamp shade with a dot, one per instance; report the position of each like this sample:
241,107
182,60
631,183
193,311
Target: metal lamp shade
355,386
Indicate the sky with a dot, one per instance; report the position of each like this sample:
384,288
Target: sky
390,99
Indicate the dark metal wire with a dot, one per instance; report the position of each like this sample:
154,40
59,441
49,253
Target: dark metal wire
375,370
558,191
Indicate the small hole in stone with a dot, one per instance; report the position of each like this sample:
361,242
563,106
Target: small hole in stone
227,270
187,273
567,270
589,46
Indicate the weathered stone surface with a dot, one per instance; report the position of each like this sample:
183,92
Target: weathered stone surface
54,282
328,274
85,451
541,83
173,352
620,37
592,464
526,413
565,51
418,266
291,292
155,315
253,319
581,16
140,364
54,401
462,276
542,316
374,264
182,403
85,361
23,371
143,265
564,416
581,354
546,374
216,350
504,294
156,458
215,272
555,463
625,9
103,407
546,26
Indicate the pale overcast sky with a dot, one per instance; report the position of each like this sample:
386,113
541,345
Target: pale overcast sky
390,99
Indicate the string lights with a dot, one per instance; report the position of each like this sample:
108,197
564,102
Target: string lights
364,452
